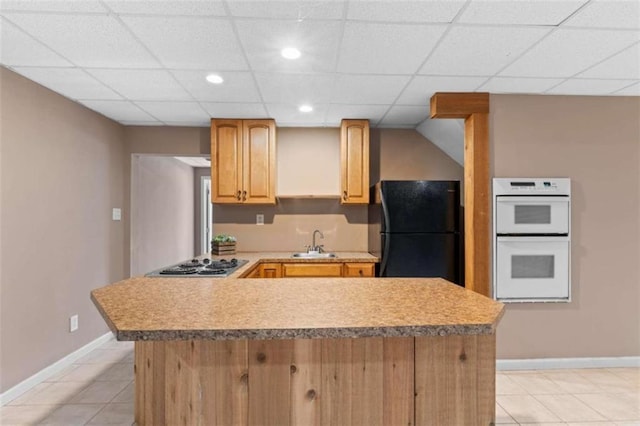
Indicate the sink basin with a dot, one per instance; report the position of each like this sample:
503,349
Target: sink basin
313,255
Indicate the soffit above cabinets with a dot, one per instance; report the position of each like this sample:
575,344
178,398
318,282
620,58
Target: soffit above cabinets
144,61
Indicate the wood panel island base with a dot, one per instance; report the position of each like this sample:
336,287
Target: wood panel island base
316,351
434,380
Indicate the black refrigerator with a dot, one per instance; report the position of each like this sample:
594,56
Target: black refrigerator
415,229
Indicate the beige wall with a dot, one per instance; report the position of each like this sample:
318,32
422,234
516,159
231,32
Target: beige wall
162,212
61,174
595,141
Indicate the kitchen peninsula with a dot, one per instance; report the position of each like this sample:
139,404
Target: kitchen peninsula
306,351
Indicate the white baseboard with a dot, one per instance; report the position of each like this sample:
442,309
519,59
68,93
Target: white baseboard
558,363
42,375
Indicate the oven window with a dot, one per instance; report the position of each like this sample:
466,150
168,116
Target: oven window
525,214
532,266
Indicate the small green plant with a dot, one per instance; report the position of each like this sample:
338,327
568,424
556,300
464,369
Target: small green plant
224,238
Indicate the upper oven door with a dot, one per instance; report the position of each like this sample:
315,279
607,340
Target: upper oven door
532,215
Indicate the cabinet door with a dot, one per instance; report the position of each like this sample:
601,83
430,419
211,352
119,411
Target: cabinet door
270,270
259,161
311,270
253,273
354,161
358,270
226,161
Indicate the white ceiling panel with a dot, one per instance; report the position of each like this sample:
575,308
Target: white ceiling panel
367,89
519,12
195,161
422,87
298,9
317,41
237,86
567,52
295,89
625,64
190,112
18,48
588,87
67,6
335,113
87,40
73,83
190,43
235,110
615,14
404,11
480,50
519,85
289,113
142,85
631,90
400,49
142,123
169,8
405,115
119,110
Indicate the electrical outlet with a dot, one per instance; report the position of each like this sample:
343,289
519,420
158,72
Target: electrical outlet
73,323
116,214
259,219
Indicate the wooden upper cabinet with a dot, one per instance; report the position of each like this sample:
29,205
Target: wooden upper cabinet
243,161
354,161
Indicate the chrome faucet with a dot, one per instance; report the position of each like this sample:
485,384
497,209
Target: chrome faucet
314,247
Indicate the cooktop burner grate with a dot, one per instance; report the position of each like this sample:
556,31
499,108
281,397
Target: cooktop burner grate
200,267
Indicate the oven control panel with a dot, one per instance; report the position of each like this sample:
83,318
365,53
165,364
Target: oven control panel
531,186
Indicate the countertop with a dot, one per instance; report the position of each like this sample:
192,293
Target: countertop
142,308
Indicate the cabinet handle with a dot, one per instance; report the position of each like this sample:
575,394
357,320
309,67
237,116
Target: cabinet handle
360,272
244,195
344,195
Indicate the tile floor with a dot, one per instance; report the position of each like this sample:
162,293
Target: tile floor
98,390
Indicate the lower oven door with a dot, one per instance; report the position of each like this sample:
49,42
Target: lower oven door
532,268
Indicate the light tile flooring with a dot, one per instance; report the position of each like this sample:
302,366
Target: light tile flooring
98,390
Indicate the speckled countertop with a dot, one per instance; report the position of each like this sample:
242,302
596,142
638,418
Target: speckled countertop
143,308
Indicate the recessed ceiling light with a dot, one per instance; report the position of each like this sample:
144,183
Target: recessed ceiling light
290,53
214,79
305,108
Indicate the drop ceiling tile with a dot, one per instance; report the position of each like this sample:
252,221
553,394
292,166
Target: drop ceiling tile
195,161
141,123
142,85
625,64
407,11
405,115
607,14
122,111
577,86
422,87
519,12
295,89
480,50
177,112
237,87
66,6
18,48
392,48
519,85
70,82
289,113
299,9
189,43
373,113
235,110
631,90
87,40
262,40
368,89
567,52
170,8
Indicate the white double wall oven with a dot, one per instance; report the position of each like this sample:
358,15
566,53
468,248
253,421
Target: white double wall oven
532,239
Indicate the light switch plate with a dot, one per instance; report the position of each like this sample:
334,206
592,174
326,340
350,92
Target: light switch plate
116,214
259,219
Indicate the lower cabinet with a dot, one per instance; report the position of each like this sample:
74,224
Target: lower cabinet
308,270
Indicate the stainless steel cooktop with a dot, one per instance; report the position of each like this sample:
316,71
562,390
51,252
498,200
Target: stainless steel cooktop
198,268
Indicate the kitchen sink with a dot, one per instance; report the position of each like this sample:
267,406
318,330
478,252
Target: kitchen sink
306,255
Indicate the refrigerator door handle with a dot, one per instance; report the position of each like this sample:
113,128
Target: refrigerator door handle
385,253
385,212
